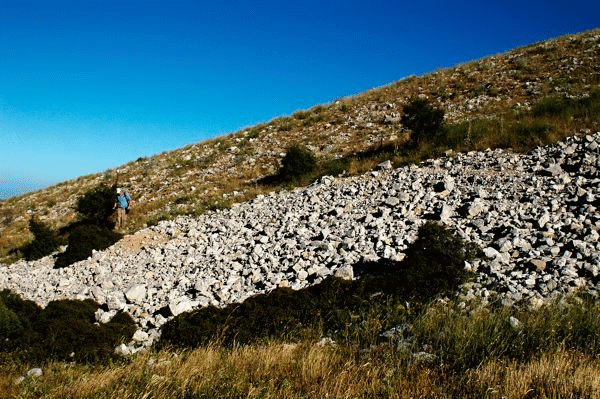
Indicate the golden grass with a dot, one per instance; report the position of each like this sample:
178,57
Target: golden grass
559,375
280,370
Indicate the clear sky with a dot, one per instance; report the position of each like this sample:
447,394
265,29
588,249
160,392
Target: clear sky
86,86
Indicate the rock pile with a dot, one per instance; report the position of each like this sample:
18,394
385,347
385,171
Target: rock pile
535,216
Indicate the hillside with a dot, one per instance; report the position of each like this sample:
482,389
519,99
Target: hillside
359,132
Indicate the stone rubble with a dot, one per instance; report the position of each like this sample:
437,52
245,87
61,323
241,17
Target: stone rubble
535,216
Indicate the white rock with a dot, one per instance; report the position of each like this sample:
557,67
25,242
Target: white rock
136,294
345,273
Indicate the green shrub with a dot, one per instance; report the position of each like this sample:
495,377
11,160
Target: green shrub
336,308
425,121
10,326
44,243
297,163
96,205
83,240
434,264
68,327
24,309
64,330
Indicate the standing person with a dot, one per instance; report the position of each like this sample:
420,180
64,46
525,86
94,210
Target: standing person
122,204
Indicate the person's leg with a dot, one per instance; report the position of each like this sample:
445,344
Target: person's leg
120,212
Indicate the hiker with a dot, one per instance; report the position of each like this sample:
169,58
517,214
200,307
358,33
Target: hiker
122,204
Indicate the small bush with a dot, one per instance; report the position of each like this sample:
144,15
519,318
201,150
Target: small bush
96,205
83,240
64,330
425,121
44,243
297,163
436,260
433,264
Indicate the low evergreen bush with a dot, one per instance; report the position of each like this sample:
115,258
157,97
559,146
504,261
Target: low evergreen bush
65,330
44,243
434,264
425,121
298,162
336,308
83,240
96,205
10,326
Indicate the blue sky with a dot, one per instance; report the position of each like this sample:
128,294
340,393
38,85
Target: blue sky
86,86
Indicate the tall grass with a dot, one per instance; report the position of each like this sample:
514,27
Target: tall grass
465,339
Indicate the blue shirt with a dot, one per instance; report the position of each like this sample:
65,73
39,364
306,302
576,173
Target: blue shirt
123,200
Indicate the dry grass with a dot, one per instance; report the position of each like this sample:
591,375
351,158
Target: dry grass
559,375
308,371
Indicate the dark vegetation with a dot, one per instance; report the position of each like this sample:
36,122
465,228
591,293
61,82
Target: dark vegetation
83,240
423,120
92,231
95,207
465,338
298,164
338,309
45,241
64,330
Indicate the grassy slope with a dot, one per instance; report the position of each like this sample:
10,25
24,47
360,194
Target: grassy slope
485,102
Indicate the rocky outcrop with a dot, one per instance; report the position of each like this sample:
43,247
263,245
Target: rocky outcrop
535,216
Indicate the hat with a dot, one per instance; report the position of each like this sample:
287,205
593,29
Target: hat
118,191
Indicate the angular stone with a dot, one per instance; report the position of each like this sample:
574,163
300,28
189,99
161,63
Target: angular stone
140,336
136,294
178,308
538,264
345,273
385,165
